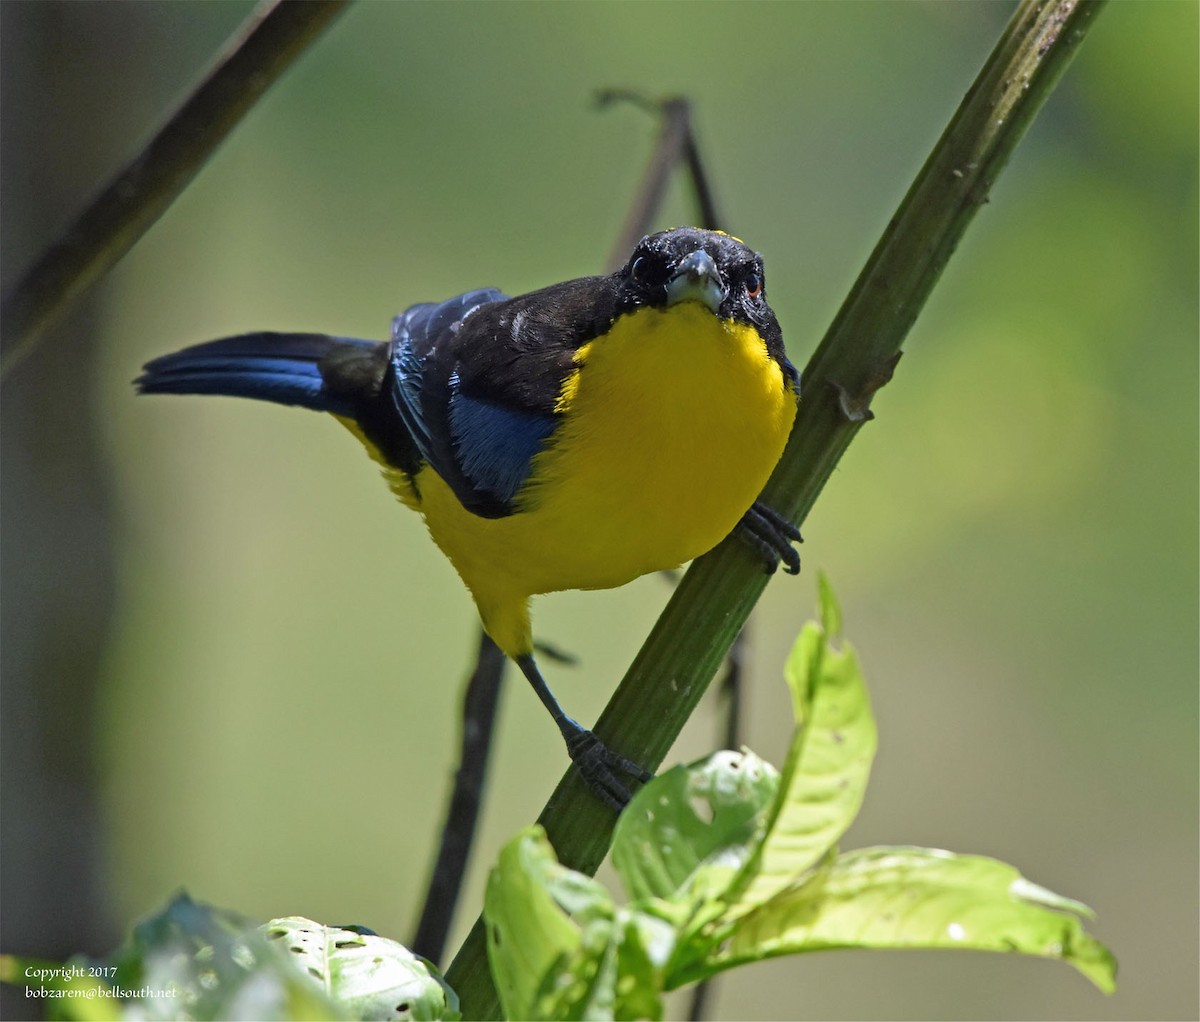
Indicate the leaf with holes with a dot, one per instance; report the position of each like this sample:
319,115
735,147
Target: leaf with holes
685,837
198,962
370,976
549,935
191,960
688,832
558,946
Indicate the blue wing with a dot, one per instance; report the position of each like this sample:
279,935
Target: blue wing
495,445
482,446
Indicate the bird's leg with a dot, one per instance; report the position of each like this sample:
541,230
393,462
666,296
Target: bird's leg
599,766
772,536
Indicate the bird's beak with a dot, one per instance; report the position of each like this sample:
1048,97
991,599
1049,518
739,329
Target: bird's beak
697,279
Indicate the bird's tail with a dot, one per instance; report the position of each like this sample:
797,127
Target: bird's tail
284,368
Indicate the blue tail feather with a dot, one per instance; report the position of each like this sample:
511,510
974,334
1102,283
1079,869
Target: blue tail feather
283,368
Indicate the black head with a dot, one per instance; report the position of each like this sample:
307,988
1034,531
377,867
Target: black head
714,269
688,263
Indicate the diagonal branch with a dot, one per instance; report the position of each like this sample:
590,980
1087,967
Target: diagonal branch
276,34
856,357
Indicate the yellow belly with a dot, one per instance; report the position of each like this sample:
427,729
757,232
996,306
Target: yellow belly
673,422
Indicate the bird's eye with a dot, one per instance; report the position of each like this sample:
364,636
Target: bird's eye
754,284
639,270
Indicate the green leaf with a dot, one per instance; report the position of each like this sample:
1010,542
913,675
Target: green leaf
829,609
647,943
370,976
192,961
683,840
196,962
550,935
690,830
728,862
919,898
825,774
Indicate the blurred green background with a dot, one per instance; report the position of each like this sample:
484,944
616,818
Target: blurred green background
232,664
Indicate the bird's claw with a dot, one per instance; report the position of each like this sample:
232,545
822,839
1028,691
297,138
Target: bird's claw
772,537
601,768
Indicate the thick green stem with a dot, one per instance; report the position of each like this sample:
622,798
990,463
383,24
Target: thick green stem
856,358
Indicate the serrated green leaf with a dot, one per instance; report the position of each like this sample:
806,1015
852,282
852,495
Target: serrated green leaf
825,775
919,898
371,976
688,832
550,935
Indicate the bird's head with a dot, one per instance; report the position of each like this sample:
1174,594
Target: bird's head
716,270
689,264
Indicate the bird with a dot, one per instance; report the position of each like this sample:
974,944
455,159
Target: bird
575,437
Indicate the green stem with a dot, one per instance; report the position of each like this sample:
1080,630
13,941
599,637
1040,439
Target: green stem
276,34
856,358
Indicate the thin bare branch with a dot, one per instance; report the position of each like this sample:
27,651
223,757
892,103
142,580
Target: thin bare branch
675,145
462,814
275,35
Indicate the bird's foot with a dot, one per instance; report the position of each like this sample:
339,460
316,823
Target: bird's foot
772,537
601,768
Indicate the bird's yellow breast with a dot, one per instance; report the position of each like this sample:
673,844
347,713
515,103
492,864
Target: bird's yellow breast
672,423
